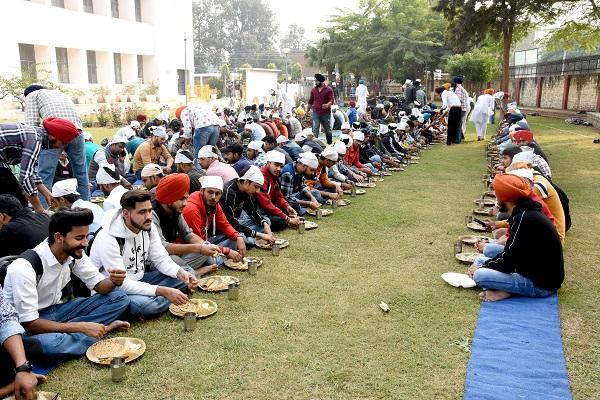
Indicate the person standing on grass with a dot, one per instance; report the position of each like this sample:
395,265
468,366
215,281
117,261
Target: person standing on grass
42,103
520,269
463,96
452,108
201,124
361,95
484,108
320,101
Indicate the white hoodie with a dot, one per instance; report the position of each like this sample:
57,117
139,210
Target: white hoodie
139,249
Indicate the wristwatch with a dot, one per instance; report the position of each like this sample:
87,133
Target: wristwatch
25,367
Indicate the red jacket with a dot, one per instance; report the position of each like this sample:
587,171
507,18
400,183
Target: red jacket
202,221
270,198
352,157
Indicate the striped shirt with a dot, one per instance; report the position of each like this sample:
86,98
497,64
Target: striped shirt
21,144
45,103
463,96
197,116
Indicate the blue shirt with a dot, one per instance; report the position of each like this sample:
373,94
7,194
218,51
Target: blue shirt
352,115
90,149
293,150
132,145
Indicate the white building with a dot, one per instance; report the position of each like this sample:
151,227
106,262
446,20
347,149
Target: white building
111,43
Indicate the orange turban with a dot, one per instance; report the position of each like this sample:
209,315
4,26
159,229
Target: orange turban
446,86
172,188
511,188
179,111
489,91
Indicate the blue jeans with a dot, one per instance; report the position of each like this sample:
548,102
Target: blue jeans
487,278
249,223
317,121
491,250
142,307
100,308
203,136
76,153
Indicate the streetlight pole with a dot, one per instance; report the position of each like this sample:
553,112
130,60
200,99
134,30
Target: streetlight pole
185,72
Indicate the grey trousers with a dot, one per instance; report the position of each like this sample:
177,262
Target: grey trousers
194,260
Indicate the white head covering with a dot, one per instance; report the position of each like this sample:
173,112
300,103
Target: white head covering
275,156
163,116
103,177
379,105
135,124
523,173
340,147
183,157
524,156
300,136
345,125
306,148
330,153
308,132
207,152
309,159
403,126
334,107
383,129
64,187
159,131
358,135
126,132
222,122
256,145
213,182
151,170
408,82
117,139
282,139
346,139
254,175
87,135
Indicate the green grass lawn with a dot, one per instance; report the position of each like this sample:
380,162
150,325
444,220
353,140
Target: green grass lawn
307,326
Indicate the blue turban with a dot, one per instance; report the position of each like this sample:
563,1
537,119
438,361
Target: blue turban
458,79
361,82
33,88
515,118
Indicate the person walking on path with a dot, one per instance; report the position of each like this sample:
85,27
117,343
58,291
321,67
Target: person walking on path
321,100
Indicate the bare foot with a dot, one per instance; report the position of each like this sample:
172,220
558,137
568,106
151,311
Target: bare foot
493,295
206,270
117,326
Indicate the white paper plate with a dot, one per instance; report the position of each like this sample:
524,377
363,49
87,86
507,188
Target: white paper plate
458,280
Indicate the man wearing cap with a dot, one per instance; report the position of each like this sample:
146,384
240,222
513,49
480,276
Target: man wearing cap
320,101
183,245
304,139
532,261
234,156
340,171
151,151
161,119
129,241
20,228
109,181
290,147
151,175
361,95
295,125
114,153
525,138
270,198
209,162
90,148
204,215
41,104
241,207
255,131
325,187
133,140
255,153
65,196
352,157
293,185
22,145
184,162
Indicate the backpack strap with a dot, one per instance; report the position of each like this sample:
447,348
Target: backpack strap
120,241
36,262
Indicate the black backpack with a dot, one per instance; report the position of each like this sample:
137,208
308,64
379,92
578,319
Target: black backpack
75,287
564,200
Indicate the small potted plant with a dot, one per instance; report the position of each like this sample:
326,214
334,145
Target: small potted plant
150,92
79,96
103,94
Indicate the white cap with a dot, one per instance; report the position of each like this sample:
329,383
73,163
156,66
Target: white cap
213,182
159,131
421,119
406,82
183,157
222,122
306,148
523,173
403,126
330,153
256,145
207,152
334,107
358,135
151,170
345,125
275,156
135,124
383,129
309,159
308,132
87,135
254,175
248,126
379,105
105,178
163,116
340,147
282,139
346,139
300,136
126,132
64,187
117,139
524,156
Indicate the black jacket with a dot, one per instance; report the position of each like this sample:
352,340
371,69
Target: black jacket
533,249
233,202
24,231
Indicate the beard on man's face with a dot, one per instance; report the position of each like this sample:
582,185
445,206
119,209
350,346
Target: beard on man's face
76,251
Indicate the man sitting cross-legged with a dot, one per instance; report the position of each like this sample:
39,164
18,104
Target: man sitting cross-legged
293,186
185,247
34,286
109,182
521,269
270,198
65,196
130,242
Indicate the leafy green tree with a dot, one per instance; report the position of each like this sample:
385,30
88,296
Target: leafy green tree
477,66
271,66
14,86
583,33
296,73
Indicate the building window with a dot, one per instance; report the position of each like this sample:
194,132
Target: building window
118,77
114,8
91,66
138,10
181,81
27,54
58,3
88,6
140,65
62,62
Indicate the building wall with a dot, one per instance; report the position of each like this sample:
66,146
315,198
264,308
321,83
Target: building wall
160,42
258,82
552,92
584,92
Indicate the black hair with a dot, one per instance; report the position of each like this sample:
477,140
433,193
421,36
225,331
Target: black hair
10,205
244,170
71,198
63,221
132,197
440,89
511,150
270,139
175,125
233,148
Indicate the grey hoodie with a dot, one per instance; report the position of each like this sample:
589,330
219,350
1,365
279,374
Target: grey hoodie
139,249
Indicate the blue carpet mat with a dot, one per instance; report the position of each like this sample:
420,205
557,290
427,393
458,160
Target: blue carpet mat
517,352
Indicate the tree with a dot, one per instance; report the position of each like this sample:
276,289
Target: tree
271,66
15,86
476,66
234,31
297,72
294,39
478,21
583,33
